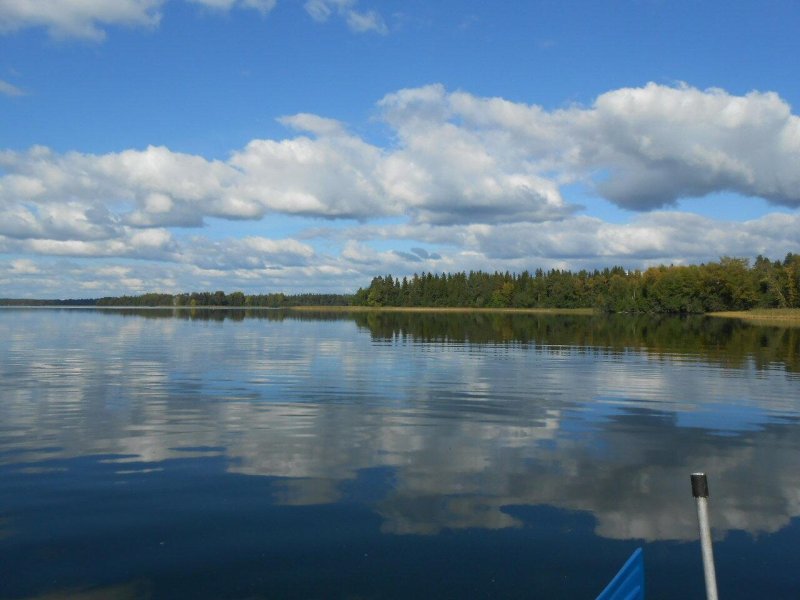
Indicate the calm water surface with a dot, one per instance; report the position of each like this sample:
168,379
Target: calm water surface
223,454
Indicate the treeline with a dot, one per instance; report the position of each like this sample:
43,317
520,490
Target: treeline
34,302
234,299
729,284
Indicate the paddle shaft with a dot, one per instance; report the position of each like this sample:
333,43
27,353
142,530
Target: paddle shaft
700,493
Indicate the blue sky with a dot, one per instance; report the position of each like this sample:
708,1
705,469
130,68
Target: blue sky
276,145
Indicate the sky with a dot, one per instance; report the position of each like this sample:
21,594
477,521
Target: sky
310,145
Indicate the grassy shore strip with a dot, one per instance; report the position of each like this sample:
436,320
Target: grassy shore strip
444,309
764,316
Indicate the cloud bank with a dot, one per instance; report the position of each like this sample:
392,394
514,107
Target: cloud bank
642,148
479,181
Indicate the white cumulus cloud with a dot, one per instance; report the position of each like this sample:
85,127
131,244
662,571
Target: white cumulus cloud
357,21
262,6
642,147
88,19
250,253
9,89
78,18
661,143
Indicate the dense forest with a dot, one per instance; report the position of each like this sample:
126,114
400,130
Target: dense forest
729,284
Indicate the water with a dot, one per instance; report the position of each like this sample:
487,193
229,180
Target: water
225,454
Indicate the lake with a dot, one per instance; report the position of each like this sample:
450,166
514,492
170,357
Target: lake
274,454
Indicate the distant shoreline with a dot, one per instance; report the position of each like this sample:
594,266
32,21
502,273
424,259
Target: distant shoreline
446,309
759,316
763,316
329,308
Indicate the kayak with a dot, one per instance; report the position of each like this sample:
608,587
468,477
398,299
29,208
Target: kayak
628,583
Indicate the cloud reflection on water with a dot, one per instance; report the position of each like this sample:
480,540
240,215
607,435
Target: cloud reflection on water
554,412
